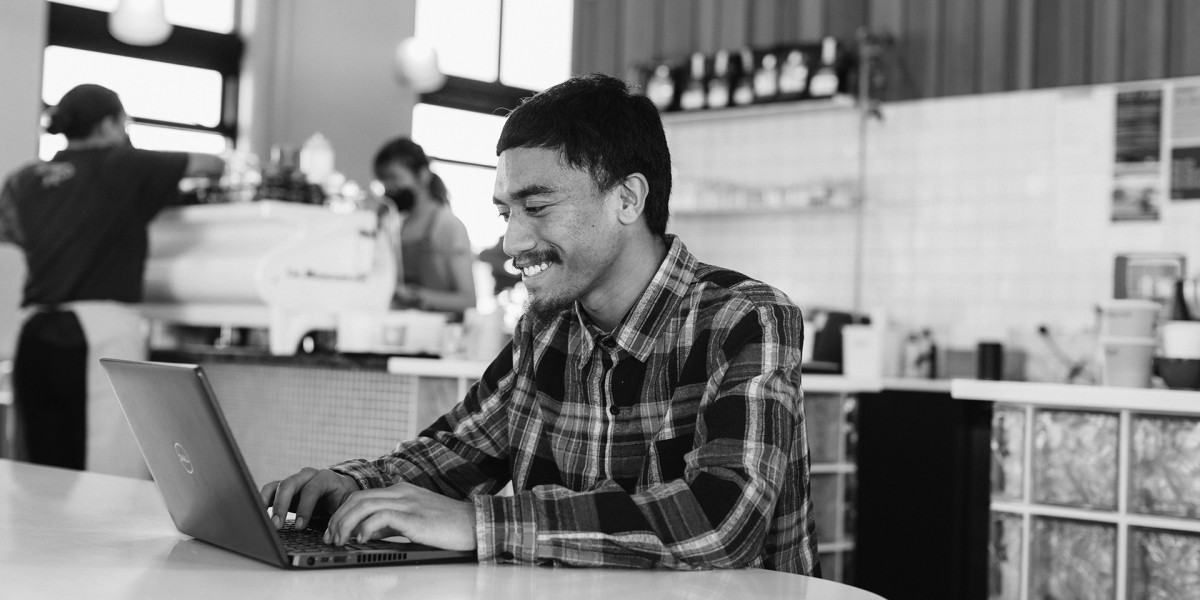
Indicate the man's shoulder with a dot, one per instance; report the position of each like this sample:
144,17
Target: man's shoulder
715,281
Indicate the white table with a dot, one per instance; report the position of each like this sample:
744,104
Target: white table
69,534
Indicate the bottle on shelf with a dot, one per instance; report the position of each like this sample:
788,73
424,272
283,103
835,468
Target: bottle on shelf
743,82
825,81
793,75
661,88
718,86
692,97
766,78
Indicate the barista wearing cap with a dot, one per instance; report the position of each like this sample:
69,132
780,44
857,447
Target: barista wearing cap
81,221
435,249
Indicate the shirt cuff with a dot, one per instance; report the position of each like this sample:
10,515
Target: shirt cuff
506,529
362,471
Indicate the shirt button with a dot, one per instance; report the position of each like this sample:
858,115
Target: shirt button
609,343
614,410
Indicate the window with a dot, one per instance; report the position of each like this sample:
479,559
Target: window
470,138
181,95
218,17
494,53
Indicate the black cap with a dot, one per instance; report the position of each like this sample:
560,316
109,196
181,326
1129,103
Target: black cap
81,109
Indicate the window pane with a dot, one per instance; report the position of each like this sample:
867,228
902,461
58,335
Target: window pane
466,34
471,201
457,134
536,51
148,89
150,137
209,15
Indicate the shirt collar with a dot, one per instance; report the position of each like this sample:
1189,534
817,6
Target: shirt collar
637,331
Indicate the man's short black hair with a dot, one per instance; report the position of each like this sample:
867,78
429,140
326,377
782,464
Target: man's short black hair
600,125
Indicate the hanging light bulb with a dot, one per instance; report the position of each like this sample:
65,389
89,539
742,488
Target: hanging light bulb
140,22
416,65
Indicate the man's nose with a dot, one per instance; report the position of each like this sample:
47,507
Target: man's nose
518,238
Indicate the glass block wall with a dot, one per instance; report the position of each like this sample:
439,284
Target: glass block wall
1102,505
831,442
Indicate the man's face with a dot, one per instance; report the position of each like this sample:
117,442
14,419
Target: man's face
562,232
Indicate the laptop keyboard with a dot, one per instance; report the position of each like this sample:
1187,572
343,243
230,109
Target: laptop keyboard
304,540
309,540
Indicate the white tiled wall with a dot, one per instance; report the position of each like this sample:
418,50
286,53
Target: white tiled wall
983,215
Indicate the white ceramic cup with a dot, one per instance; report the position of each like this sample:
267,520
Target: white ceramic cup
1181,339
1126,361
1129,317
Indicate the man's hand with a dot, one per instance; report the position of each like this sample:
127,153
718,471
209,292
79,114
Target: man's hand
301,492
404,509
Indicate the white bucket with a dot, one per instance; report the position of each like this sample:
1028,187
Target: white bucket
1129,318
1126,361
1181,339
862,351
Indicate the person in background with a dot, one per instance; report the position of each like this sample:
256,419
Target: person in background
81,220
648,410
435,249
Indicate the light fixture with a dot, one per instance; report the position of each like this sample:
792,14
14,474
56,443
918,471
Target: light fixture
140,22
416,65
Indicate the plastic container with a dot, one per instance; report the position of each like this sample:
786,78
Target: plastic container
1129,318
1181,339
1126,361
862,351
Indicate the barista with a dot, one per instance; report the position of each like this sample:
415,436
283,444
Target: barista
81,221
434,247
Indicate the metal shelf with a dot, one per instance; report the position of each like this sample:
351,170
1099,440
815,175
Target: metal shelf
838,102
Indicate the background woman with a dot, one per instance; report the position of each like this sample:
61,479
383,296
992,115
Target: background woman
435,249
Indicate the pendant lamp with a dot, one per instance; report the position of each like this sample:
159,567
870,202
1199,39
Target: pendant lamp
139,22
416,65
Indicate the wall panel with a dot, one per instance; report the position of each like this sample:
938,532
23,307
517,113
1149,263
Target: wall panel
997,45
1143,40
960,29
943,47
1184,52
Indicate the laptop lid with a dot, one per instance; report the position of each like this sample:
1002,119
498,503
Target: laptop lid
208,490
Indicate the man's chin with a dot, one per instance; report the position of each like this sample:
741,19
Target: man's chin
547,307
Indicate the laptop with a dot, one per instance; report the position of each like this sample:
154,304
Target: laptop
204,481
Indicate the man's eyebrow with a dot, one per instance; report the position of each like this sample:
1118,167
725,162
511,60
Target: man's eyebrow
532,190
525,192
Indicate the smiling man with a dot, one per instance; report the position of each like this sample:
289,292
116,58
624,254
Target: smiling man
648,409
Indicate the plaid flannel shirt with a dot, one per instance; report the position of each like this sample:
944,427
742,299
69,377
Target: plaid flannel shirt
677,441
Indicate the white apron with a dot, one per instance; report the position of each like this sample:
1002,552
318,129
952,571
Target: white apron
113,330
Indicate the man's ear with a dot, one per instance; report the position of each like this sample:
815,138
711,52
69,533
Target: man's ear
632,193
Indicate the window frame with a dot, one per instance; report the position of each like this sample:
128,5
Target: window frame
87,29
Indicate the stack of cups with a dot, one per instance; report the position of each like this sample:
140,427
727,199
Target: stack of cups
1127,342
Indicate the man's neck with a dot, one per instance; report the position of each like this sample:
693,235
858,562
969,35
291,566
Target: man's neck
631,276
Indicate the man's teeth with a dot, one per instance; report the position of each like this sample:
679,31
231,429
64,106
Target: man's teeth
532,270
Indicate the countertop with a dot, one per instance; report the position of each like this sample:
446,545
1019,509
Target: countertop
70,534
1079,396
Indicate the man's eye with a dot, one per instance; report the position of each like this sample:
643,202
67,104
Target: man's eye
534,210
504,216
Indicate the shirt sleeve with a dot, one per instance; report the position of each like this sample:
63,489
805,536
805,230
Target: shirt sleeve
717,515
463,453
10,227
158,173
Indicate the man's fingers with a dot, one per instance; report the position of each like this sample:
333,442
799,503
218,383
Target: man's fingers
309,495
267,493
284,494
357,508
380,524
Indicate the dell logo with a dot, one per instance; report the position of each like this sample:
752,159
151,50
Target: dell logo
183,458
